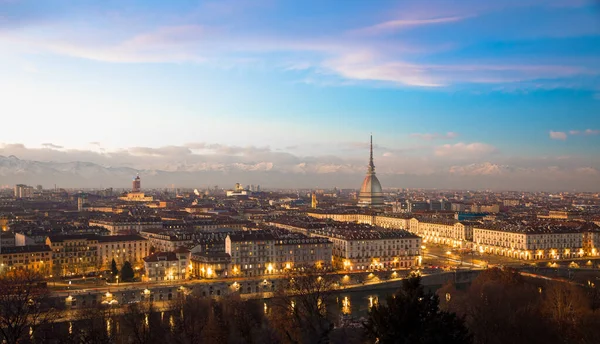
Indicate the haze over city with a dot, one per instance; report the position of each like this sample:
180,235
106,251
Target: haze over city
458,94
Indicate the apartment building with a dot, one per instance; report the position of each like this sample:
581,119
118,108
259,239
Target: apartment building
165,266
536,240
37,258
127,224
122,248
252,253
168,240
74,254
366,247
443,231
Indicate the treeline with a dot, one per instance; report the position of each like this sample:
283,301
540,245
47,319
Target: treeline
500,306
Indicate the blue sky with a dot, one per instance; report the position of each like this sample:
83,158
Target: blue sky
505,89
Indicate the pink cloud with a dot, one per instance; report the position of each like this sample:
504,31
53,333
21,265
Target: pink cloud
435,136
391,25
558,135
463,150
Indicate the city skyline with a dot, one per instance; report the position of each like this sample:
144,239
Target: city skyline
469,94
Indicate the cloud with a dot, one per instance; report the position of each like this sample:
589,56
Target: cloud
464,150
50,145
558,135
435,136
390,60
392,25
177,165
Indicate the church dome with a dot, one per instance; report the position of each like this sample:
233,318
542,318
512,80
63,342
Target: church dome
371,193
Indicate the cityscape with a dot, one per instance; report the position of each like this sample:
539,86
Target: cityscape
269,172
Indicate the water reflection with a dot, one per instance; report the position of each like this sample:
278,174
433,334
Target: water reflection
346,306
373,300
108,326
172,323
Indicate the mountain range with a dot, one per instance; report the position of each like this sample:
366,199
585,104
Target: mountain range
78,174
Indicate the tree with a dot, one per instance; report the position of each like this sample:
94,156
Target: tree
500,306
113,268
193,316
413,316
127,273
142,323
299,312
24,305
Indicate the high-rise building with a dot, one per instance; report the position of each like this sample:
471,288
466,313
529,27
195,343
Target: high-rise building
137,184
23,191
80,201
371,194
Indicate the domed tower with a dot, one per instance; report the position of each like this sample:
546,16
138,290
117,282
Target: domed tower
371,194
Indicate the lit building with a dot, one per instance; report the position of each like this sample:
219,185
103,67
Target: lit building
37,258
394,221
124,224
313,201
540,240
23,191
238,191
136,195
371,193
167,240
365,247
210,264
165,266
273,250
443,231
121,248
73,254
252,253
137,184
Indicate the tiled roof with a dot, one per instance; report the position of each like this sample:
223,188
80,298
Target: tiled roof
25,249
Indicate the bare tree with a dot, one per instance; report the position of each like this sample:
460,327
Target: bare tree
24,305
192,318
142,324
94,325
299,312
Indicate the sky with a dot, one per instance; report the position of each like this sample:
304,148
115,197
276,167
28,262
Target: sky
505,92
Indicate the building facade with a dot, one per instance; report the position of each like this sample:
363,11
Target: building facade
36,258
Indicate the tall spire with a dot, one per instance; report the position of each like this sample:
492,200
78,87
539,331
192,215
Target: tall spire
371,165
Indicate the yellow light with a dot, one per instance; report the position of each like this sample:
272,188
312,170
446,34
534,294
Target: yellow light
448,252
208,272
288,265
270,268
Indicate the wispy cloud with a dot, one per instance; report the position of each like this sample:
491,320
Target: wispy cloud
558,135
392,25
50,145
561,135
435,136
465,150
